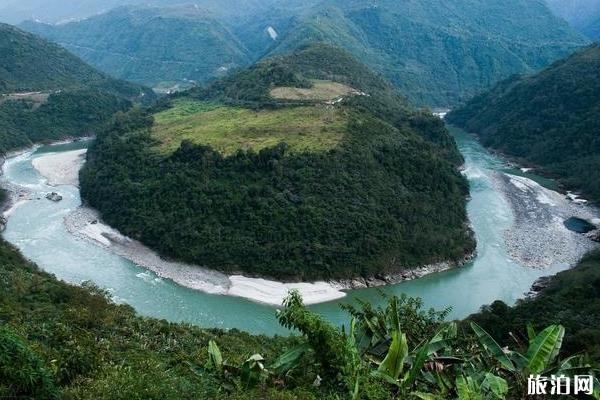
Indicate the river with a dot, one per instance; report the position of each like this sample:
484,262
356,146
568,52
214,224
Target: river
36,227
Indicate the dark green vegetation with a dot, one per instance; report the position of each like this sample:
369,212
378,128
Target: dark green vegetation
549,119
152,45
436,52
571,298
61,341
47,93
388,196
583,15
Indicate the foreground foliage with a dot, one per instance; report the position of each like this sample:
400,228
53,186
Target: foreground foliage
571,298
60,341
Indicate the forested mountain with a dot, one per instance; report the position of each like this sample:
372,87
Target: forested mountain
593,29
437,52
549,119
48,93
30,63
154,46
302,167
583,15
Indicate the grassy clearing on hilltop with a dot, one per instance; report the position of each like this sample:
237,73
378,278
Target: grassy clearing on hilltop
228,129
320,90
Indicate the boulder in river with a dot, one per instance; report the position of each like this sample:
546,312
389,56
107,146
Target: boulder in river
54,197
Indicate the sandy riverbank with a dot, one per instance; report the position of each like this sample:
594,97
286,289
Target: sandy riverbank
61,168
85,223
538,237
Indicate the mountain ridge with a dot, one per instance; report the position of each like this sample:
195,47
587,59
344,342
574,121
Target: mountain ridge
437,53
150,45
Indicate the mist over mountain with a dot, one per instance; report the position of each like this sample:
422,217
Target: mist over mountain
438,53
60,11
583,15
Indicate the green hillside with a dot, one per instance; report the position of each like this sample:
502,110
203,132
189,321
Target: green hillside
229,129
162,47
234,179
47,93
549,120
30,63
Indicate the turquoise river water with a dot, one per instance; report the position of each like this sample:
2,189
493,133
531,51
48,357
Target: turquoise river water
36,228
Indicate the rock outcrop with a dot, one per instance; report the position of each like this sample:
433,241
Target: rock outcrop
54,197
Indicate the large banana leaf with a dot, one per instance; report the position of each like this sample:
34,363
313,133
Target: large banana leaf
495,385
290,359
214,356
426,396
544,348
488,342
440,340
574,365
393,363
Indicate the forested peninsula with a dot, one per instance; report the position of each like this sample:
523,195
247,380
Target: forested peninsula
303,167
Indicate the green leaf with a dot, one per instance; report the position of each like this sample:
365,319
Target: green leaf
440,340
425,396
214,356
467,389
488,342
495,384
393,363
574,365
544,348
290,359
394,319
530,332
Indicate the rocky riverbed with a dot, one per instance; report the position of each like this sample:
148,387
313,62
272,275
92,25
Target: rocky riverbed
538,237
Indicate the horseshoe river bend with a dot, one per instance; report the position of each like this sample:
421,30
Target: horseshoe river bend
517,222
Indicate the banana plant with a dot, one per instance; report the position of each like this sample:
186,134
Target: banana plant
403,368
542,351
253,371
540,358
